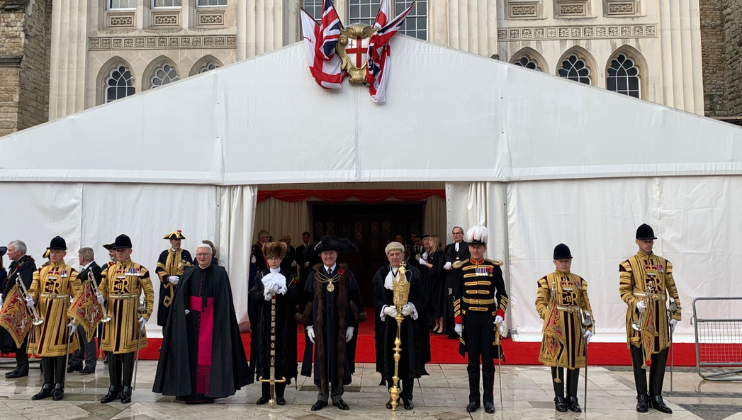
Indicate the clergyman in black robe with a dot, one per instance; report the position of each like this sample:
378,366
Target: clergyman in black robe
279,284
331,316
202,356
414,329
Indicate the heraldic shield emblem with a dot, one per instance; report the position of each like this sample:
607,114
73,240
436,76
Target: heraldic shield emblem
352,48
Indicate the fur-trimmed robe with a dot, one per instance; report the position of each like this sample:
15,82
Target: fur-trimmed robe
331,313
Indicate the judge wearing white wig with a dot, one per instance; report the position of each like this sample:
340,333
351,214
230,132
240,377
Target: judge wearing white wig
480,302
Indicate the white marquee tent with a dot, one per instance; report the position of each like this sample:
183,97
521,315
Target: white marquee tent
538,159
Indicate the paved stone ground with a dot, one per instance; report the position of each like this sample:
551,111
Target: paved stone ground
527,394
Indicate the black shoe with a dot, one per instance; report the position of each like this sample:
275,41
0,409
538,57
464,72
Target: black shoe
281,401
641,404
408,405
341,405
15,374
87,371
472,407
560,405
261,401
58,392
489,407
659,405
319,405
573,405
126,395
46,391
74,368
389,404
113,394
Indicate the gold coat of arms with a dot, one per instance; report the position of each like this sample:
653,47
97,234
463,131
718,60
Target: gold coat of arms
352,48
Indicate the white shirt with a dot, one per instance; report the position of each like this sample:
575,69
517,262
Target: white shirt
457,247
88,265
331,270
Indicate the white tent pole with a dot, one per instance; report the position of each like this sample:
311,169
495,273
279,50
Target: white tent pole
506,262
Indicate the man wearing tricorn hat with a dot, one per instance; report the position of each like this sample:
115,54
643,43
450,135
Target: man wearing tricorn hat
480,302
275,282
23,265
50,291
120,288
170,267
560,300
646,284
332,313
413,328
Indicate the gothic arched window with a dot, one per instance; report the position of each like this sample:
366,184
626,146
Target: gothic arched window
164,75
119,84
208,67
574,68
527,62
623,76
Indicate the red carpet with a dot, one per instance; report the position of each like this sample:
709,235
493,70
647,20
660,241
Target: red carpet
447,351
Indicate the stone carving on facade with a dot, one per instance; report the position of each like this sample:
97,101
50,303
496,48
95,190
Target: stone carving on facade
523,10
620,8
210,18
166,19
163,42
578,32
572,10
120,20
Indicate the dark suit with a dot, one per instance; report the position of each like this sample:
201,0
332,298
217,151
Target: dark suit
88,348
288,259
450,255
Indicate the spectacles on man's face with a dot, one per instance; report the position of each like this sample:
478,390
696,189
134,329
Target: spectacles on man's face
203,255
458,233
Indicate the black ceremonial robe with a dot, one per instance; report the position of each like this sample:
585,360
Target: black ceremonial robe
414,334
285,361
179,364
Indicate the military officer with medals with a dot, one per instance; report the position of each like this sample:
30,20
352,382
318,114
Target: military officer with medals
121,286
480,302
51,290
562,302
170,267
648,288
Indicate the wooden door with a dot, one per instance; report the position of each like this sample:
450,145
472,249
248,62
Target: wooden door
371,227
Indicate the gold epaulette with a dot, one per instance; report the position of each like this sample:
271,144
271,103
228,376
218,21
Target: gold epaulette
496,262
459,263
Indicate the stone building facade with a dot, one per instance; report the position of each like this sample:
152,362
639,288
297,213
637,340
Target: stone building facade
25,35
656,50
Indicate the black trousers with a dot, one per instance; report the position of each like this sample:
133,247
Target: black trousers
479,332
573,379
406,384
87,351
656,371
280,388
54,369
121,369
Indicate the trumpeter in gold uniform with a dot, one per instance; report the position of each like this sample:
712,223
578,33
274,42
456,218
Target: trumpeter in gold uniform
561,302
646,283
121,287
52,287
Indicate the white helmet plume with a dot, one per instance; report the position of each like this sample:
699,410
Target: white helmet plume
477,235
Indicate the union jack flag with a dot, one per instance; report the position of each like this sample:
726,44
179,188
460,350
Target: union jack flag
326,72
330,27
379,53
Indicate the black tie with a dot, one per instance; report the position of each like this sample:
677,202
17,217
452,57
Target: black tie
329,271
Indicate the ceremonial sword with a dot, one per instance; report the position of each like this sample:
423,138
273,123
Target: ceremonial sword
272,381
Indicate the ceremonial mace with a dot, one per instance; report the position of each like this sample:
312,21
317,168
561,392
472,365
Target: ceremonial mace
401,292
272,381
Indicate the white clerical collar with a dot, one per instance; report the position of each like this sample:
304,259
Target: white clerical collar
276,270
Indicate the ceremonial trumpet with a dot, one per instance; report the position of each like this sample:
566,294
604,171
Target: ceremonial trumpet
37,320
106,317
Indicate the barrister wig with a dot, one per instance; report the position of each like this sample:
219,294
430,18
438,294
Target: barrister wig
393,246
275,250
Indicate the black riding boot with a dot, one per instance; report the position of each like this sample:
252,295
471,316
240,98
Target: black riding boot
640,379
573,378
557,374
656,380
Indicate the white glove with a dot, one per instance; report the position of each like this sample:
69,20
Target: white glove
673,323
641,306
174,280
99,296
459,329
349,334
267,295
293,263
188,311
407,309
498,320
390,311
422,261
306,264
447,266
310,333
253,260
425,255
142,321
588,336
29,301
73,328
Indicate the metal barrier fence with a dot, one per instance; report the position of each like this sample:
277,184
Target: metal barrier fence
719,342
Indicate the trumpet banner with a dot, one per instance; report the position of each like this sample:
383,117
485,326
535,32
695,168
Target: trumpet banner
648,331
86,310
553,333
14,316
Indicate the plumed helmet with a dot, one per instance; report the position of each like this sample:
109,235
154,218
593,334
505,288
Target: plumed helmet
57,243
644,232
561,252
330,243
477,235
178,234
275,250
122,242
